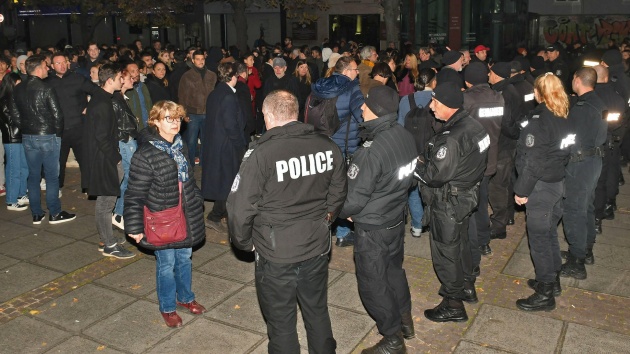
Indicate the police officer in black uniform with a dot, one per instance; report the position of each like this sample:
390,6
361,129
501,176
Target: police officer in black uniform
557,65
613,61
379,178
449,173
281,204
583,170
486,106
608,183
542,153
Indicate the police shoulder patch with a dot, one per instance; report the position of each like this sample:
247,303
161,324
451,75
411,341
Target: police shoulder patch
236,182
441,153
367,143
536,116
558,72
247,153
529,140
353,171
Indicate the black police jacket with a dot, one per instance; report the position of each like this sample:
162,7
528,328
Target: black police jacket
512,115
526,91
487,107
288,182
615,109
380,174
561,70
72,90
36,109
457,155
620,81
126,121
543,150
587,122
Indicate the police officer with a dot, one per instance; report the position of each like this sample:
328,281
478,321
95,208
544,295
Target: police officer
486,106
500,187
280,205
557,66
612,59
542,153
450,172
379,178
608,183
583,170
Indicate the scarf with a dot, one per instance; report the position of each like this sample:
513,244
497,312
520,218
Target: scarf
175,152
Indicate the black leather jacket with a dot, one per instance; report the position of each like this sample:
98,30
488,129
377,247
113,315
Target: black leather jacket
36,109
126,121
10,132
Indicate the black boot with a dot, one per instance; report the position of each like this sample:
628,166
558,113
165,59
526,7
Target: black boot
557,288
408,331
573,267
485,250
598,226
541,300
613,202
622,181
470,294
449,310
394,344
590,259
609,211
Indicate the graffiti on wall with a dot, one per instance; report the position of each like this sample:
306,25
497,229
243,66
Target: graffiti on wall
596,30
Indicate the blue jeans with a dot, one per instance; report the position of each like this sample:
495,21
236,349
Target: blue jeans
194,131
126,152
174,277
415,208
42,151
16,171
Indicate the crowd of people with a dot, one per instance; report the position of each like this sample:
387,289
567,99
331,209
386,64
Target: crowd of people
443,136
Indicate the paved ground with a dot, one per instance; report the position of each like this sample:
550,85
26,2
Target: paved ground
59,295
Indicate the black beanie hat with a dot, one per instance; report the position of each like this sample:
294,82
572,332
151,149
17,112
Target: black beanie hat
612,57
382,100
451,57
449,94
476,73
502,69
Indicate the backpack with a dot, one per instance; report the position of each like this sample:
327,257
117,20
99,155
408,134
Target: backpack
322,114
419,121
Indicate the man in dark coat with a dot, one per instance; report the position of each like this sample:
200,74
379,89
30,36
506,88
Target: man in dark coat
223,146
103,171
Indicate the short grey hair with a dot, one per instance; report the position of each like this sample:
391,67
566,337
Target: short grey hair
282,104
366,52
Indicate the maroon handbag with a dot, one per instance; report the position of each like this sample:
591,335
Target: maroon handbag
166,226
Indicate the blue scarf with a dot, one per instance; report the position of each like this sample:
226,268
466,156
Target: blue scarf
175,152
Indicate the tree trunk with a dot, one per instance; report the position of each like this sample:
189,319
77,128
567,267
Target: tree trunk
392,12
240,24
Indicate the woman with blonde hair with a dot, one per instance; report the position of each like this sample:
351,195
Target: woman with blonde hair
408,80
159,179
303,75
542,153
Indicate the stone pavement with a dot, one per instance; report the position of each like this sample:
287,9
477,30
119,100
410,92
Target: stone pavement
59,295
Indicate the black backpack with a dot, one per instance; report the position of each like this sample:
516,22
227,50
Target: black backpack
419,121
322,114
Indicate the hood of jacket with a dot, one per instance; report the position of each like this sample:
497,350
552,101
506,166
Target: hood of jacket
333,86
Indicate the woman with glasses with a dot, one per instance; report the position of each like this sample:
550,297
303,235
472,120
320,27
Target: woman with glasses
159,170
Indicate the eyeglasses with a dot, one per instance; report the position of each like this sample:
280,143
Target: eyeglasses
173,120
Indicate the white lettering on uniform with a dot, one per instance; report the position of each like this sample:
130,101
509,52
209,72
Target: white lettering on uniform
569,140
612,117
484,143
407,170
490,112
524,123
529,97
305,165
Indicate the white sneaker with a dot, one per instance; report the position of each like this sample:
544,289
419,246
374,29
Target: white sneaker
118,221
23,200
16,207
42,184
416,232
60,194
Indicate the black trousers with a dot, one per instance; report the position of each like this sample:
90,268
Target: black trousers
501,192
450,249
479,224
219,210
72,138
544,210
383,287
608,182
280,287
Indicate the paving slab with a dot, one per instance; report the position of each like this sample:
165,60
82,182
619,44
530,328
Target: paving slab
208,252
348,328
582,339
612,256
511,329
194,338
465,347
10,231
69,257
79,228
418,246
240,310
344,293
27,335
136,328
80,308
136,279
6,261
229,267
33,244
23,277
79,345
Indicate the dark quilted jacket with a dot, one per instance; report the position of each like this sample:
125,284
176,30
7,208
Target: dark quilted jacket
153,182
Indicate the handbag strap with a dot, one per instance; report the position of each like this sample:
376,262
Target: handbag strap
180,185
